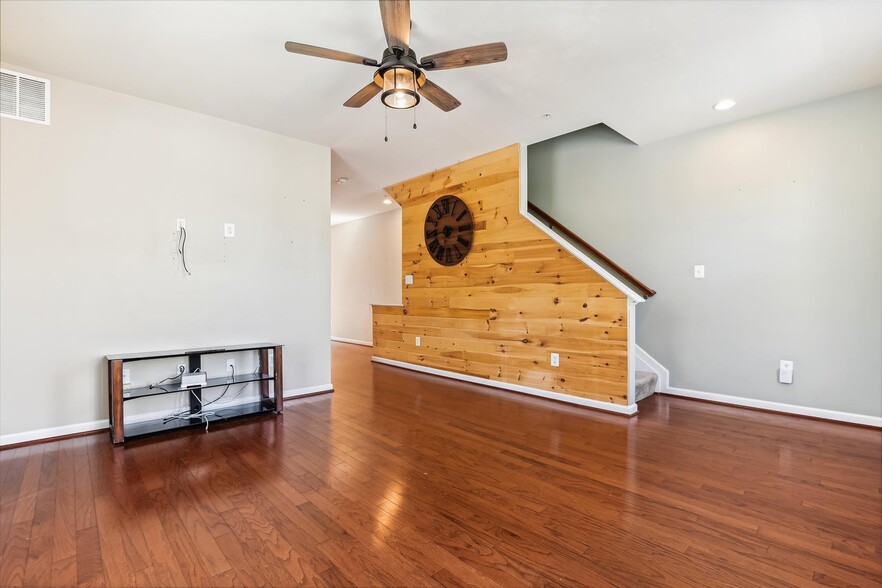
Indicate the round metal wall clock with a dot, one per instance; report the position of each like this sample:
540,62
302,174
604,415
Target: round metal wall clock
449,230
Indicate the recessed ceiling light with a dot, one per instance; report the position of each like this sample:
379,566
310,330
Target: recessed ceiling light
724,104
341,180
387,200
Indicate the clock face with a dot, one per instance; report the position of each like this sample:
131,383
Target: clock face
449,230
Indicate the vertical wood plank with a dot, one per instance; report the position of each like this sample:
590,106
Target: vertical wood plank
115,379
278,385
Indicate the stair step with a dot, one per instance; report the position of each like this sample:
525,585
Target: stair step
645,384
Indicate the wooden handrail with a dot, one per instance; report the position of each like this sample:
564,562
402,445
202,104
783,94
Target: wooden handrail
610,265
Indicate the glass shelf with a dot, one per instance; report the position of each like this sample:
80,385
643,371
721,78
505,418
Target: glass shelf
132,393
266,405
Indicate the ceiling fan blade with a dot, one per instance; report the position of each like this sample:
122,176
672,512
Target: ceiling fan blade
438,96
396,22
304,49
465,57
363,96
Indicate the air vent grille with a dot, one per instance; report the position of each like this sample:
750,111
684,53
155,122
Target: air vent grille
24,97
8,94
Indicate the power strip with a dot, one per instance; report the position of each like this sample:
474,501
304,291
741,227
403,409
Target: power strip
194,380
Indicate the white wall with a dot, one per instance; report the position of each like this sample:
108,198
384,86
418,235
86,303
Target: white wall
365,270
785,212
88,262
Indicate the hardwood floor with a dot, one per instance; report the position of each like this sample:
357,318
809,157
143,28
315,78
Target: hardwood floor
404,479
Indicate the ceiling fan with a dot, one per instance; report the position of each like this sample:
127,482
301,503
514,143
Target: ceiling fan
399,76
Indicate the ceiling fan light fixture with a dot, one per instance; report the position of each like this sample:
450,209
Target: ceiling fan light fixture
400,88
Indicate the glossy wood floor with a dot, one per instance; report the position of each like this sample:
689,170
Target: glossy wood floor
400,479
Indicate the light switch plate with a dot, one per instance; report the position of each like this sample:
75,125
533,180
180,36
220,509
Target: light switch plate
555,360
408,279
699,271
416,341
229,230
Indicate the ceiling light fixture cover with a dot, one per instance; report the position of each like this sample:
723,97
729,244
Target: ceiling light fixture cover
387,200
724,104
400,88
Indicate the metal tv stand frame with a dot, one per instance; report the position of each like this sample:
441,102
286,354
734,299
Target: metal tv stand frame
121,432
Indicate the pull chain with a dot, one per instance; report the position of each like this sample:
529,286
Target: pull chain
415,87
386,113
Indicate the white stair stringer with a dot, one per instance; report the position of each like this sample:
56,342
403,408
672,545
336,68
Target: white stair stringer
647,363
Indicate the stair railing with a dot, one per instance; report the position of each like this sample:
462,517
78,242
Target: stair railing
591,252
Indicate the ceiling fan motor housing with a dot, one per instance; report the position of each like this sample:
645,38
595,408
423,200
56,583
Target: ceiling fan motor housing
400,77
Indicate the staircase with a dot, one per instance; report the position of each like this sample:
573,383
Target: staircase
644,385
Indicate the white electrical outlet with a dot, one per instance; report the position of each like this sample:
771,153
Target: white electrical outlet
180,224
231,366
416,341
699,271
229,230
408,279
555,360
785,371
127,376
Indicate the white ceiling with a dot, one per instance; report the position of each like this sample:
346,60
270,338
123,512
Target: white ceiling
650,70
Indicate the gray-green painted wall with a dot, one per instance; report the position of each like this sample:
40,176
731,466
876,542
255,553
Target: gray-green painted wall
785,212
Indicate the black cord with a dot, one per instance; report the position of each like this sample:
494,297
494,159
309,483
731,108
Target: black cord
176,376
202,404
182,245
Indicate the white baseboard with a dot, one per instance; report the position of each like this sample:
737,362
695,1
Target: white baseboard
307,391
647,363
628,409
103,424
35,435
353,341
820,413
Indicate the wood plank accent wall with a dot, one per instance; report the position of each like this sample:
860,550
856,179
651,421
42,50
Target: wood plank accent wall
515,299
